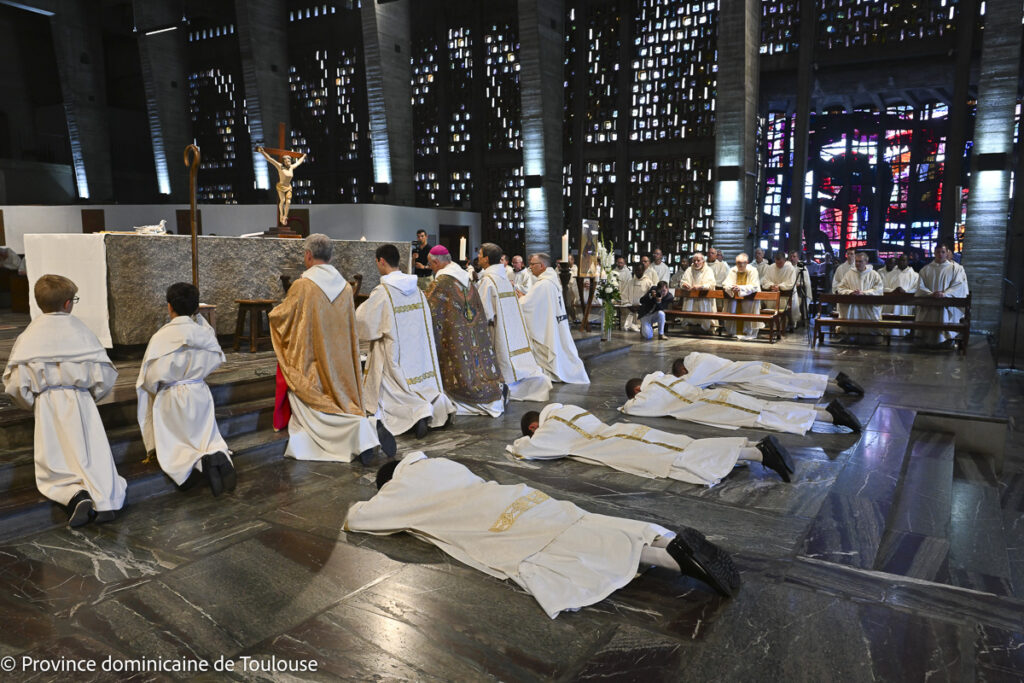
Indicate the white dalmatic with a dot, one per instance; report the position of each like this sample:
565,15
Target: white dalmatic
58,369
867,282
748,283
571,431
951,279
764,379
402,381
550,336
906,279
696,279
525,379
565,557
523,280
663,395
176,411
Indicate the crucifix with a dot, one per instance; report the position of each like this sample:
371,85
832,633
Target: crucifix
285,171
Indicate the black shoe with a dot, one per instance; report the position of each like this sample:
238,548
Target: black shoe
387,440
775,457
422,425
662,336
80,510
194,477
703,560
841,416
227,471
504,396
105,516
848,385
368,456
212,473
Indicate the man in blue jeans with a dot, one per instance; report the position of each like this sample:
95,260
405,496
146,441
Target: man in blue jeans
652,310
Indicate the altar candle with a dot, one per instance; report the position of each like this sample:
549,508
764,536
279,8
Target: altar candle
565,247
462,248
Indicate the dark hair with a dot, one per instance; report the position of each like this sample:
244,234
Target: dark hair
492,252
389,253
421,231
679,367
529,417
183,298
632,386
386,472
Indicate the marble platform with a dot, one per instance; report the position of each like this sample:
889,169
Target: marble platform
267,572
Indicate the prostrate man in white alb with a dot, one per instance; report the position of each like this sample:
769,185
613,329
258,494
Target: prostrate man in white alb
760,264
741,282
701,278
402,382
661,268
176,411
756,377
780,277
661,395
548,325
861,281
565,557
561,431
512,350
943,277
900,279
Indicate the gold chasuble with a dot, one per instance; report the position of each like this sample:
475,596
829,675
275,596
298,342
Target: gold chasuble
317,349
469,371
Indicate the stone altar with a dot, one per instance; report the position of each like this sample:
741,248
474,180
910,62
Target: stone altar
140,268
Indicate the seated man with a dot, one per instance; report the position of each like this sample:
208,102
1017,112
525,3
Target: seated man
701,278
402,381
560,430
548,325
861,281
314,336
741,282
652,310
176,411
899,279
660,395
780,277
941,278
766,379
760,264
565,557
59,369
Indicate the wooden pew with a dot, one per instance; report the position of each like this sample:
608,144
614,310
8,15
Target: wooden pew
771,315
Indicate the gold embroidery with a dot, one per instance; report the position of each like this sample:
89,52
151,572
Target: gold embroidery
712,401
408,307
520,505
766,368
506,295
420,378
519,352
632,437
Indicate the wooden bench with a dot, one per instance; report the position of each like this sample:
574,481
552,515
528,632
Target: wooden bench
771,315
896,322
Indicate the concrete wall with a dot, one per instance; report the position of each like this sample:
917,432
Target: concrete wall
378,222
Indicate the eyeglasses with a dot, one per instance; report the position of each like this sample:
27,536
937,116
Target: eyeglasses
74,300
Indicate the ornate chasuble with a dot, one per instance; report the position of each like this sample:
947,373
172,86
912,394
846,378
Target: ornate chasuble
741,278
465,353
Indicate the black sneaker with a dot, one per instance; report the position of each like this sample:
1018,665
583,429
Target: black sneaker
775,457
212,473
842,416
387,440
848,385
422,425
80,510
703,560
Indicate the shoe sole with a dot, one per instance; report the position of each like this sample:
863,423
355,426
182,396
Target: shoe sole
104,517
387,441
82,513
782,453
843,417
702,560
212,471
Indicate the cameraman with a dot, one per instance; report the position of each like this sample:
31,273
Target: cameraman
652,310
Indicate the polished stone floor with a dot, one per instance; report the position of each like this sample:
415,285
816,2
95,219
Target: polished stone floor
267,572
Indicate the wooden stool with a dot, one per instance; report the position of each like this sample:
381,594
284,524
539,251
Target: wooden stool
209,311
254,308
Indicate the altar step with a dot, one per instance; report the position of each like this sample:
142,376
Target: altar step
591,348
916,506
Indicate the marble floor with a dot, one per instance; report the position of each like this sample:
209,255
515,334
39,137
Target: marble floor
894,555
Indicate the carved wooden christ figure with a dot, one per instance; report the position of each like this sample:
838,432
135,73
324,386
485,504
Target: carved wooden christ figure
285,171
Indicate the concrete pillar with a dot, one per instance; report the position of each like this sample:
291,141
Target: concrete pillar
77,40
386,50
263,46
985,237
541,78
165,79
739,30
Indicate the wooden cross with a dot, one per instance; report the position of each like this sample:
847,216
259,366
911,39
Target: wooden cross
280,150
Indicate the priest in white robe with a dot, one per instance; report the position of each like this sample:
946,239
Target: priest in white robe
314,336
780,277
175,406
900,279
402,381
943,277
701,278
757,377
661,269
631,290
563,556
548,325
741,282
760,264
861,281
58,369
718,266
661,395
524,377
840,273
561,431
